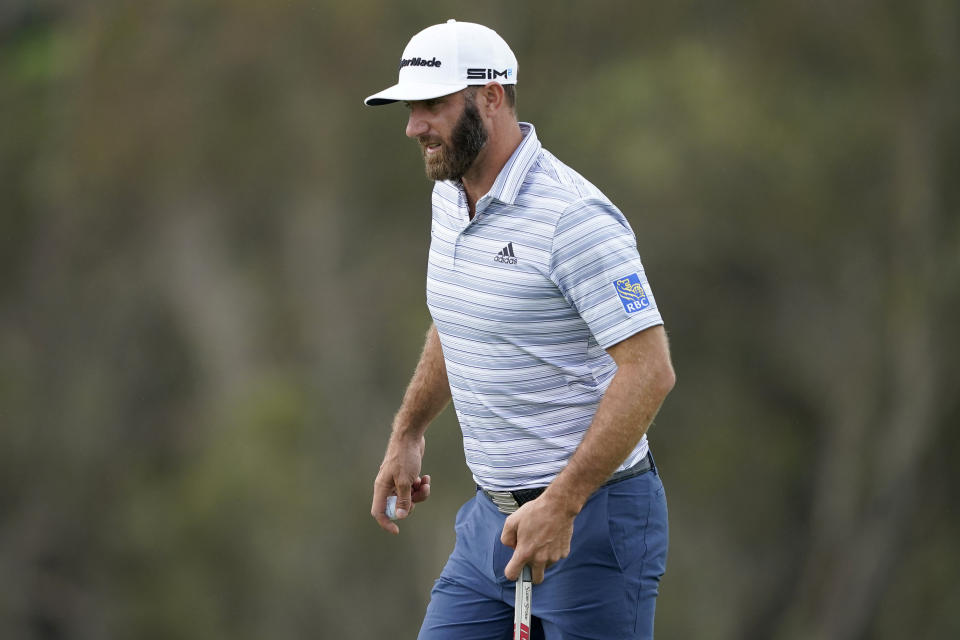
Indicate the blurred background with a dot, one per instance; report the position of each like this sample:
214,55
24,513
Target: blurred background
212,263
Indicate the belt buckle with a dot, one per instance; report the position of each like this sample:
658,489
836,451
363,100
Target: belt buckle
504,500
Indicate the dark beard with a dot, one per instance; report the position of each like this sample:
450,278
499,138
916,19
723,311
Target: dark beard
468,138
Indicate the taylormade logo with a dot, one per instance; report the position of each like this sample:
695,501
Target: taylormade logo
419,62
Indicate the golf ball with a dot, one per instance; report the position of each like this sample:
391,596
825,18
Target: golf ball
391,509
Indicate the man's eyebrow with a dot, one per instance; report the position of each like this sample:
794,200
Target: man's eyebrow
429,102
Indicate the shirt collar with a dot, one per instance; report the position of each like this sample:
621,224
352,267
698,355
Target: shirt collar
511,177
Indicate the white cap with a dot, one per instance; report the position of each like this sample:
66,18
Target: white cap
446,58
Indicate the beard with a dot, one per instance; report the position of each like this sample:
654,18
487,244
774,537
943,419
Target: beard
453,160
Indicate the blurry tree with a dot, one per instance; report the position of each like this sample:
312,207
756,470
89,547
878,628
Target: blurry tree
211,297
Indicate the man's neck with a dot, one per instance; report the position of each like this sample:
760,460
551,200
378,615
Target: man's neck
478,180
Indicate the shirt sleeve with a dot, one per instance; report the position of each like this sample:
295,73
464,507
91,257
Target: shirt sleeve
597,268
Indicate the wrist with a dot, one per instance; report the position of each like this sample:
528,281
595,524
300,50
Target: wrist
567,501
402,433
406,439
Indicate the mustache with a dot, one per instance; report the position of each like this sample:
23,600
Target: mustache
425,140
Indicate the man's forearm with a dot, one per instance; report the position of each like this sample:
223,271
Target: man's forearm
644,378
428,392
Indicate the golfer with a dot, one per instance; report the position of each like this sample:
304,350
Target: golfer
547,336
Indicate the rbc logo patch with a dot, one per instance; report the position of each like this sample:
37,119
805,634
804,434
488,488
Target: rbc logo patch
631,293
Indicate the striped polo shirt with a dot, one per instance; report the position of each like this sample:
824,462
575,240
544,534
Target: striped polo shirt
526,297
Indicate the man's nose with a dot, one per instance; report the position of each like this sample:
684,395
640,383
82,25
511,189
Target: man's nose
416,125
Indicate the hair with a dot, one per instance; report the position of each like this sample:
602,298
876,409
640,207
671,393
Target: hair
510,90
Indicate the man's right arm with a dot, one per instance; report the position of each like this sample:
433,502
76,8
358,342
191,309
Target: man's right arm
426,396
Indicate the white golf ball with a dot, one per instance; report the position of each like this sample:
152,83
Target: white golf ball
391,509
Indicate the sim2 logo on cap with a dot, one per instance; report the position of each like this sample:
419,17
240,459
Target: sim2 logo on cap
488,74
631,293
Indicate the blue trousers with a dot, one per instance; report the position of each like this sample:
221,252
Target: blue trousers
606,588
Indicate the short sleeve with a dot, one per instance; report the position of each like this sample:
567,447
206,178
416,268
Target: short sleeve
597,268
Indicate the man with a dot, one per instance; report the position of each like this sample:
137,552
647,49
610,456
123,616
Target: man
547,337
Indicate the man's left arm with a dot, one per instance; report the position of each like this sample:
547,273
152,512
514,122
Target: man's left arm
541,530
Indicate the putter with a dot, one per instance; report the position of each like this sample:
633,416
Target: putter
523,599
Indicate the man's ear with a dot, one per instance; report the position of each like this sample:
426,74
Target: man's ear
492,97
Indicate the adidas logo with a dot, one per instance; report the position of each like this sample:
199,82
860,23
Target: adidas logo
506,255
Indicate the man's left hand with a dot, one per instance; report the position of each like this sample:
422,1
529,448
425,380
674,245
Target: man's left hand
539,533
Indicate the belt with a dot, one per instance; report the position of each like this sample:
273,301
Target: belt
510,501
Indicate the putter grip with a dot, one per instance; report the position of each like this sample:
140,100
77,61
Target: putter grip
523,604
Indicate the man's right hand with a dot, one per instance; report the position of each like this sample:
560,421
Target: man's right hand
400,476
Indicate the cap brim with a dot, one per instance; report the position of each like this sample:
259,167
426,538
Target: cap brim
412,91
